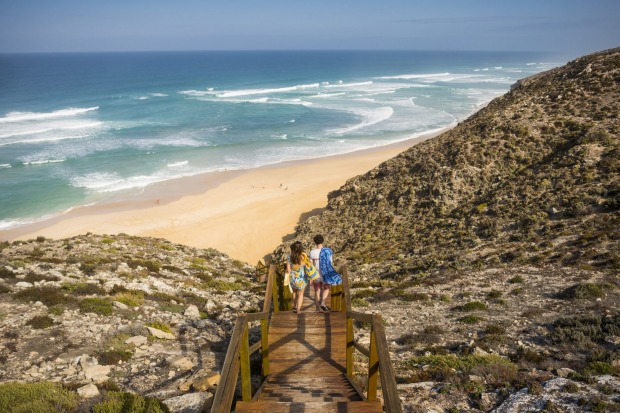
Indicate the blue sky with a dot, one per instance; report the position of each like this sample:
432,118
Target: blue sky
570,27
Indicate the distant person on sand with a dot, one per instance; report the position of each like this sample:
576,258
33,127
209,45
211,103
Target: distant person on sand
322,259
299,268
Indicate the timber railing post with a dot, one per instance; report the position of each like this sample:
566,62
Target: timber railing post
373,361
274,287
350,348
264,338
244,359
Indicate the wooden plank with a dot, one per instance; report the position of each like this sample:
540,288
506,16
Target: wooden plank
323,407
300,368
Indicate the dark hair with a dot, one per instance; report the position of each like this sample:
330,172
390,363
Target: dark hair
296,250
318,239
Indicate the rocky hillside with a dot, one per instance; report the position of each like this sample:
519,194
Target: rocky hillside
533,178
493,250
119,318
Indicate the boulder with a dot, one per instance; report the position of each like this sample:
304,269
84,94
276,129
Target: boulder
161,334
88,391
192,312
190,403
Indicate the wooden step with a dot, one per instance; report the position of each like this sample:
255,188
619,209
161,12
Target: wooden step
309,389
310,407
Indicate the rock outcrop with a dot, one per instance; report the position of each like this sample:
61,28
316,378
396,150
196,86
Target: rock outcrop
147,315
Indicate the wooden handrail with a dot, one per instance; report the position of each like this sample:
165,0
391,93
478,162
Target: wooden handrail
378,354
237,362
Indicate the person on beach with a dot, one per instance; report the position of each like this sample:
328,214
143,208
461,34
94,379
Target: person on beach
321,285
295,267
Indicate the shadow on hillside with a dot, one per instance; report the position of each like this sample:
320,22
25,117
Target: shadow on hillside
288,238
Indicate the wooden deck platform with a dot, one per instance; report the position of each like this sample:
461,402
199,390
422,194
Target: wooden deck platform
307,366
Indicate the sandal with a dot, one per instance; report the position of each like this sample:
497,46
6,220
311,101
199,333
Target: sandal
325,308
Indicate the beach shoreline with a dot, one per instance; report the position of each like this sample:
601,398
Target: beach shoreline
243,213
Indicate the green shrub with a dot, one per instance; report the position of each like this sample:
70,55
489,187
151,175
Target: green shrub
359,302
112,357
366,293
48,295
584,291
220,285
41,397
473,306
465,363
133,298
583,330
6,273
599,367
56,310
173,308
122,402
160,326
115,350
152,266
494,294
40,322
96,305
83,288
517,279
470,319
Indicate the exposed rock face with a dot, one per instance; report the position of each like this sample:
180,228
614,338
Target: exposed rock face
95,309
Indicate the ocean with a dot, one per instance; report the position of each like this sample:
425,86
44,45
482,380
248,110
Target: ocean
78,129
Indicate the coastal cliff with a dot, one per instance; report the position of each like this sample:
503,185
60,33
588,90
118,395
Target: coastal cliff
491,252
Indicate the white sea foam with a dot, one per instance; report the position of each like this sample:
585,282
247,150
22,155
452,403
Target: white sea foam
371,117
416,76
105,182
342,84
43,139
177,164
13,223
159,95
198,92
246,92
5,165
43,161
282,136
27,116
327,95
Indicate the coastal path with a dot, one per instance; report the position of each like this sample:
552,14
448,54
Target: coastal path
306,359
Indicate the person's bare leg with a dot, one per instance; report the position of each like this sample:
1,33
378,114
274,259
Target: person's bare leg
300,299
324,293
317,296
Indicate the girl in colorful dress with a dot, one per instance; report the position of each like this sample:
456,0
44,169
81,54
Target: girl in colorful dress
295,266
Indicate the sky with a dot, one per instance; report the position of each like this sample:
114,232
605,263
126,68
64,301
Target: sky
571,27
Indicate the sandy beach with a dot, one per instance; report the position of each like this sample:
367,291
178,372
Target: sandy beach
245,214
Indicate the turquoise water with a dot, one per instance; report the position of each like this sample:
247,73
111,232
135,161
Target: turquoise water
81,128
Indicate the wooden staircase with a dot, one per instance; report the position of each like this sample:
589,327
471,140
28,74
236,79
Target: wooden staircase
307,367
307,360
